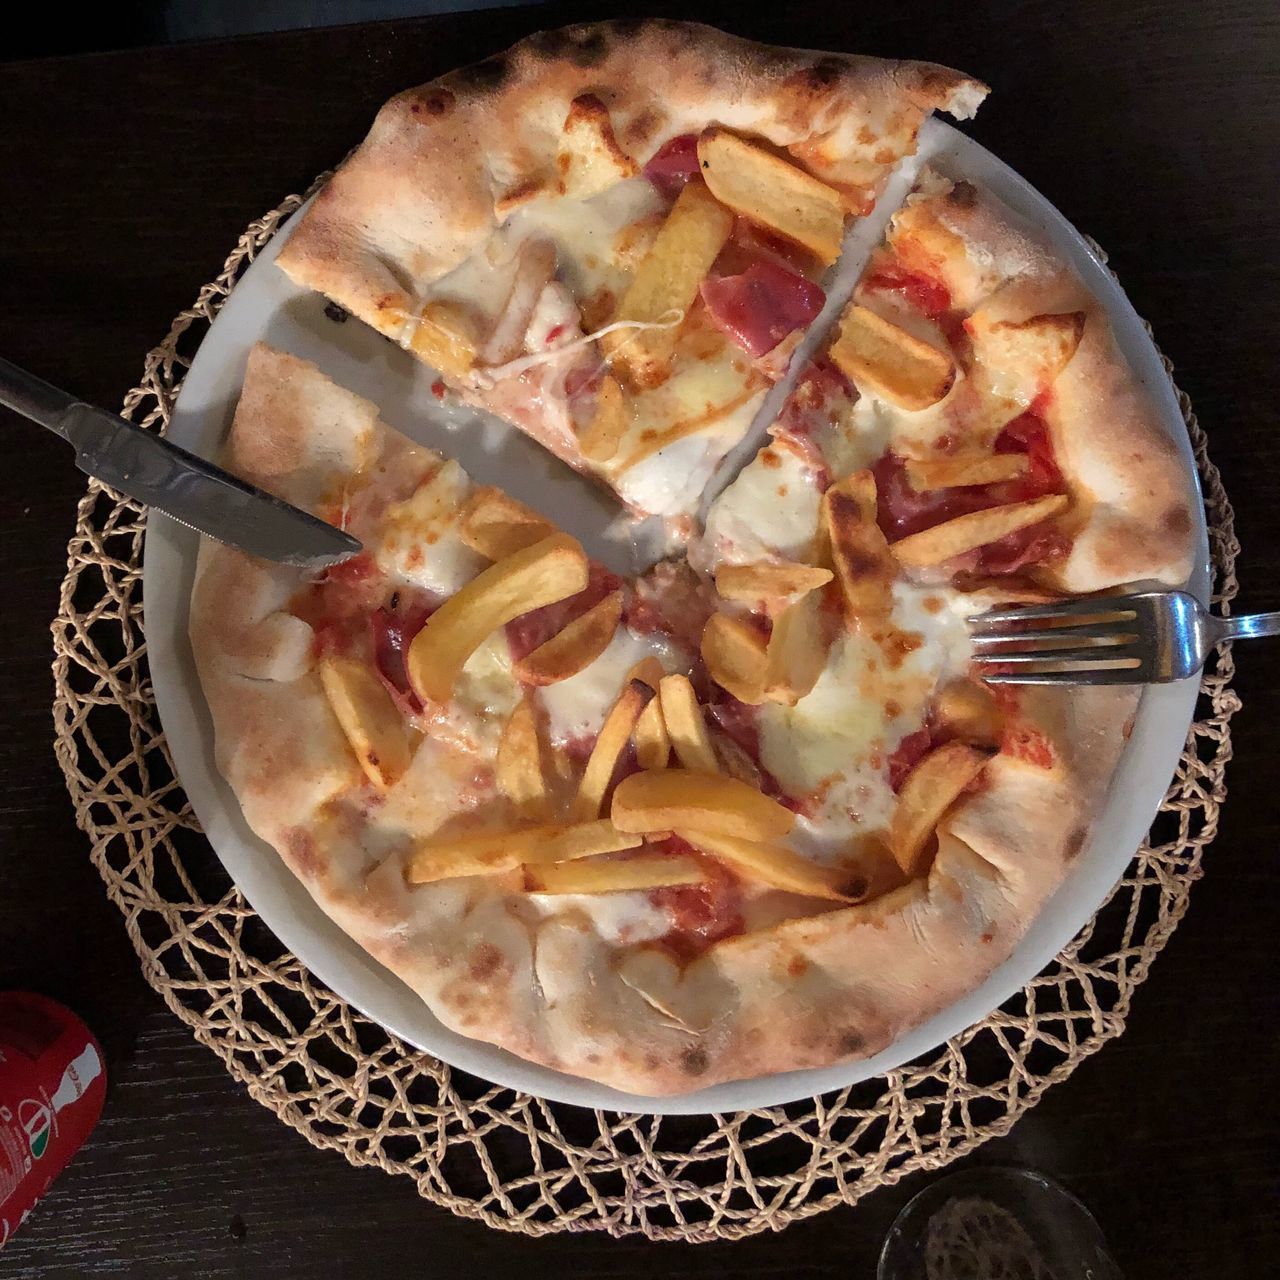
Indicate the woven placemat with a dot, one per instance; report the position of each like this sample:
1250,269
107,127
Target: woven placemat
512,1160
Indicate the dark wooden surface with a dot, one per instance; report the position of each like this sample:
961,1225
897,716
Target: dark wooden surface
127,177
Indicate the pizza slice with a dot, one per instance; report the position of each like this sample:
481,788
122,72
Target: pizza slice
612,236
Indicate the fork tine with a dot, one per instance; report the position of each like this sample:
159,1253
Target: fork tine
1111,632
1077,676
1108,654
1119,610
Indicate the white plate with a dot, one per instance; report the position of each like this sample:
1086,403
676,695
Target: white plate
265,305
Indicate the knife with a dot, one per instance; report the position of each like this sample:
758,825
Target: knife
150,470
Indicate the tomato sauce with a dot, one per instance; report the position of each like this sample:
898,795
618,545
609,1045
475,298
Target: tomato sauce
701,913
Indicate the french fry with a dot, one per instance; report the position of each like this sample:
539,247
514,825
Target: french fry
974,529
777,866
477,853
445,335
675,799
653,747
590,158
962,470
583,840
575,646
774,582
887,360
368,717
968,710
734,652
931,788
865,567
686,727
518,766
550,570
797,651
1030,353
667,283
599,440
497,526
773,191
614,735
613,875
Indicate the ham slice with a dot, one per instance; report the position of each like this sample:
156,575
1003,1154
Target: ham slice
762,305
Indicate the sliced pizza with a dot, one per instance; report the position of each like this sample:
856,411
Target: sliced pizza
611,236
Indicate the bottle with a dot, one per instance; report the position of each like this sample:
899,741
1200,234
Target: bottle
52,1086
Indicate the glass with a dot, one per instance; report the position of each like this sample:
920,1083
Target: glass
995,1224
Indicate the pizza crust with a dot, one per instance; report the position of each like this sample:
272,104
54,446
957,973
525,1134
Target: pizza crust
1132,514
445,163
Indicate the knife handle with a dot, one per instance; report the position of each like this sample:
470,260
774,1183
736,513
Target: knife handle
33,397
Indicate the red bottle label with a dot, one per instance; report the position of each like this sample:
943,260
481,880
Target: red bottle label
52,1086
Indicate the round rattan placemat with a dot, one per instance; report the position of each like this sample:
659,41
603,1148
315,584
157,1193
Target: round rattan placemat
509,1159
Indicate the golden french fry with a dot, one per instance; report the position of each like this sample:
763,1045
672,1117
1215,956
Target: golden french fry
974,529
887,360
864,565
583,840
666,285
931,788
599,440
686,727
550,570
797,651
575,646
778,867
769,581
614,735
518,766
968,710
1023,357
613,875
445,335
497,526
368,717
673,799
963,470
772,191
734,652
650,670
590,158
653,747
477,853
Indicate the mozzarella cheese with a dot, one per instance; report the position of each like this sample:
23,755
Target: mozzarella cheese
576,707
419,544
621,919
771,509
833,745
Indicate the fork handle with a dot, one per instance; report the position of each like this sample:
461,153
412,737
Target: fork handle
1247,626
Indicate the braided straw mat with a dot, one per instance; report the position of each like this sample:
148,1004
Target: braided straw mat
509,1159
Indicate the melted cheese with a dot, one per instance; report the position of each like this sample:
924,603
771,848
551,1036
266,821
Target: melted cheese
771,509
588,238
833,745
576,707
419,544
621,919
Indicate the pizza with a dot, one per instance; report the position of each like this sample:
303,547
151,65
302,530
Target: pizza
753,810
530,228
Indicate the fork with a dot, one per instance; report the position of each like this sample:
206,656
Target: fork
1152,637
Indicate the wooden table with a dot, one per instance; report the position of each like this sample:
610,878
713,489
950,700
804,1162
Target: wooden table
127,177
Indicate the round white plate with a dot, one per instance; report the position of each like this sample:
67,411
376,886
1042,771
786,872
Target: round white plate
265,305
